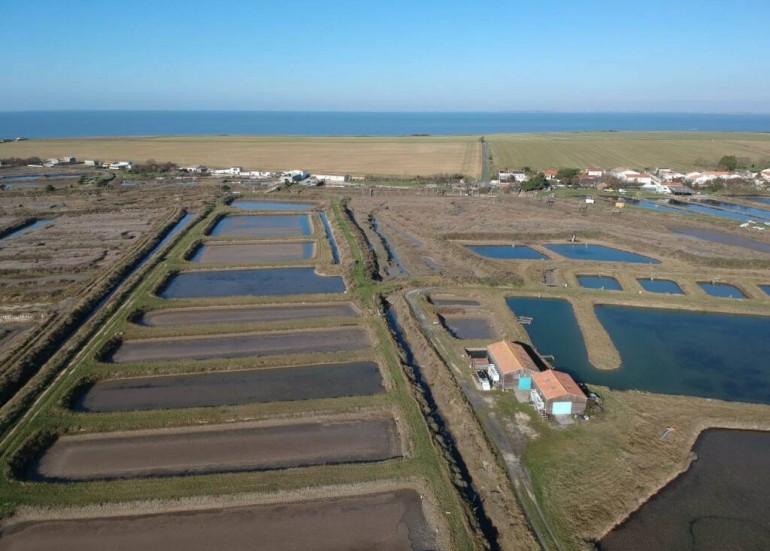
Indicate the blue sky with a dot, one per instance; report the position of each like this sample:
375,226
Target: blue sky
419,55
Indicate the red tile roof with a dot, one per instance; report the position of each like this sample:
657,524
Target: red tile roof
510,357
554,384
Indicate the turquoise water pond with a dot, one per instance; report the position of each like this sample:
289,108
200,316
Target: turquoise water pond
662,286
599,282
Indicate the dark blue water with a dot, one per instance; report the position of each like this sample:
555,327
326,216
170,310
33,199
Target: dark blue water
292,225
749,211
29,228
39,177
599,282
61,124
507,252
765,200
664,351
660,286
268,205
270,282
722,290
765,289
598,253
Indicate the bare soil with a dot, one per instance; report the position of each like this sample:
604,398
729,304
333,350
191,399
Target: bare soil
205,316
218,450
469,327
389,521
234,388
229,253
238,346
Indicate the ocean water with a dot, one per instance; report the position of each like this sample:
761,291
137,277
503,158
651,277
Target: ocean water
80,124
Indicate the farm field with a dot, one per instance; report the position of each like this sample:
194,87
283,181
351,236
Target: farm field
677,150
396,157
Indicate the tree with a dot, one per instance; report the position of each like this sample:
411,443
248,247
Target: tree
538,181
728,162
567,176
50,188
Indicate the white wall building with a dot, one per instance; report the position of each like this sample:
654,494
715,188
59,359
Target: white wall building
232,171
515,175
93,163
121,165
332,178
593,171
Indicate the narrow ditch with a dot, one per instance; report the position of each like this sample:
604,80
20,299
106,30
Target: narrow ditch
462,479
395,269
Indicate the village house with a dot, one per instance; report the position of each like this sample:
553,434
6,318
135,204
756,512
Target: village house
93,162
513,363
196,169
293,176
668,175
703,178
765,174
232,171
332,178
513,175
556,393
597,172
550,174
121,165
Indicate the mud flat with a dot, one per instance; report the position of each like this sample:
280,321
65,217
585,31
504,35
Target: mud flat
468,327
720,502
447,301
233,253
267,282
244,225
231,388
392,521
238,346
267,314
217,450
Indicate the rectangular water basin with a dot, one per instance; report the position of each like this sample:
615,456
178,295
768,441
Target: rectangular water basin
506,252
244,204
662,286
722,290
285,225
598,253
235,253
267,282
603,283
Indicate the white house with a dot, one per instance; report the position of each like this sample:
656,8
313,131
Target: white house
69,160
332,178
765,174
93,163
668,175
703,178
592,171
232,171
656,188
52,162
121,165
197,169
293,176
515,175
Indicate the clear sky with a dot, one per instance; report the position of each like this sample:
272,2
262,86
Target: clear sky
399,55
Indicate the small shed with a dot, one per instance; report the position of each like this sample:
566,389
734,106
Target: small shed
513,363
556,393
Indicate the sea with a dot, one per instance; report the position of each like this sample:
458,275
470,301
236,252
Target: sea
83,124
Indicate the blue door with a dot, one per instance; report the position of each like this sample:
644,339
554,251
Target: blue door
525,383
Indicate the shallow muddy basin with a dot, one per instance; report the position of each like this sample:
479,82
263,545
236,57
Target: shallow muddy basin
662,286
246,314
719,503
710,355
722,290
29,228
230,388
445,301
723,239
506,252
233,253
267,282
244,204
603,283
392,521
598,253
468,327
218,449
286,225
314,341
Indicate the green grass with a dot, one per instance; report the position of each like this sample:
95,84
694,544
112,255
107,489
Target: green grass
680,150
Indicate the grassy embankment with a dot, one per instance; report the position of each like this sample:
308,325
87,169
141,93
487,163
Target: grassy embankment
677,150
385,156
53,416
